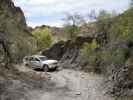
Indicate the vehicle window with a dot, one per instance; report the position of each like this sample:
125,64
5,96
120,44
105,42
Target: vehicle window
36,59
43,58
26,59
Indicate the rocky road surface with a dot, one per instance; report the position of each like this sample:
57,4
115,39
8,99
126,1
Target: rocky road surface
72,85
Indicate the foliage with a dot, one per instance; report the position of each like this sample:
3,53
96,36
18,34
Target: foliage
115,56
87,47
121,29
103,23
42,37
102,59
119,32
88,52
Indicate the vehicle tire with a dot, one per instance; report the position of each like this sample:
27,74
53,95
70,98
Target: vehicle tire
45,68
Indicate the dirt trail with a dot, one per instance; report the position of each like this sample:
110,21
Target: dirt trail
73,85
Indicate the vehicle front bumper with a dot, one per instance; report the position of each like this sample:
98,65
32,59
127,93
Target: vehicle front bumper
52,66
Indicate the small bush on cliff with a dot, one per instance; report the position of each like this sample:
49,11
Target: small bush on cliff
116,56
42,37
89,52
101,58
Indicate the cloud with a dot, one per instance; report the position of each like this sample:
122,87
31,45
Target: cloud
52,11
55,23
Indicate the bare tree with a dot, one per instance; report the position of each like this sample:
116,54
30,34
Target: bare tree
72,23
92,15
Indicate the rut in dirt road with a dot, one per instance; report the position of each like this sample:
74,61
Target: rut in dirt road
74,85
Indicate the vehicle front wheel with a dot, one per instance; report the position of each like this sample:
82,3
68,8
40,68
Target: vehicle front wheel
45,68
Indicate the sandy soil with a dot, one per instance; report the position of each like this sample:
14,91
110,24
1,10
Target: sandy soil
73,85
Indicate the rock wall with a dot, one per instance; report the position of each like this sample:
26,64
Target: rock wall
14,30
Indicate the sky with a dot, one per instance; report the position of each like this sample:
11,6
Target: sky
51,12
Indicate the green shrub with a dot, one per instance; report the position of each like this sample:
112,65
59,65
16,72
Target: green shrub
116,56
89,53
121,29
95,57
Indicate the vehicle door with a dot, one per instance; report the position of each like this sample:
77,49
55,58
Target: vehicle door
35,62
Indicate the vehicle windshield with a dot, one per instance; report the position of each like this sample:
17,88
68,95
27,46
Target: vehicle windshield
43,58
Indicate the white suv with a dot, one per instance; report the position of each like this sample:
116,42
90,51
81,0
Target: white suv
40,62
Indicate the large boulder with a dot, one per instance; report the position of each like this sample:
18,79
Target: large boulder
55,51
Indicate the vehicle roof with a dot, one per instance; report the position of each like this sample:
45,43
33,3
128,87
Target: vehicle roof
38,56
34,56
